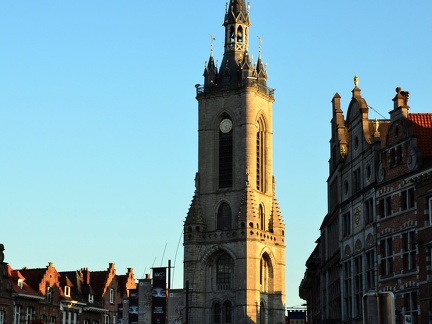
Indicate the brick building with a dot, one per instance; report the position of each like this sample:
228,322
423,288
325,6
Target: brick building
377,234
45,295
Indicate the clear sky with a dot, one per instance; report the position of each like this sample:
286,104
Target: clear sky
98,117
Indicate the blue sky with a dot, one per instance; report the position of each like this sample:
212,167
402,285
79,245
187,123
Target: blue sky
98,117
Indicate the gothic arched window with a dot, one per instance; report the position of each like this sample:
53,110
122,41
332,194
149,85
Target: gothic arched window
240,34
224,217
225,153
227,312
260,155
224,272
262,313
262,217
216,318
266,273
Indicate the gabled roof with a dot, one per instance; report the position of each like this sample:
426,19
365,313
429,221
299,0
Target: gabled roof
33,277
26,291
422,129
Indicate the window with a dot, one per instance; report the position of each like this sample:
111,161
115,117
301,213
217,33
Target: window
409,251
217,313
225,158
20,283
224,271
262,313
386,257
384,207
17,314
356,180
368,210
262,217
410,305
358,278
346,224
67,291
370,270
222,314
227,312
2,317
106,319
407,199
112,296
49,295
260,155
347,288
224,217
91,299
265,272
29,314
52,320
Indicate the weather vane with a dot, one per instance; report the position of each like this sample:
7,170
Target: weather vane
259,44
212,38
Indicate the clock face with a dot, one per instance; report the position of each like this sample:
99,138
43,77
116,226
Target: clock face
225,125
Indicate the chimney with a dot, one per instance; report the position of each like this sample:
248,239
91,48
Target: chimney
400,105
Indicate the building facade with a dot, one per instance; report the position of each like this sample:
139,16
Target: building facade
46,296
234,233
377,234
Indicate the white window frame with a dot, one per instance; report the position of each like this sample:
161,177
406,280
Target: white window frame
29,314
21,283
67,291
2,317
106,319
52,320
49,294
17,314
91,298
111,296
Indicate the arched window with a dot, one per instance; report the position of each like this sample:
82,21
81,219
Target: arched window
260,155
266,273
240,34
227,312
224,272
232,34
225,153
262,313
217,310
262,217
224,217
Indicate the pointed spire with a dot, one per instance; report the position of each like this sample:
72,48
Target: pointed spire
236,11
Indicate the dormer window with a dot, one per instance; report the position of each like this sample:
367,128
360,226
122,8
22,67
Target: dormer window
20,283
91,298
67,291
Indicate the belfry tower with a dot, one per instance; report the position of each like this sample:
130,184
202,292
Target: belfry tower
234,245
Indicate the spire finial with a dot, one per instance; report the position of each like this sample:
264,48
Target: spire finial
212,38
259,45
356,80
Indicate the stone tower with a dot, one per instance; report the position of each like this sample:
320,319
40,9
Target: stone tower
234,243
